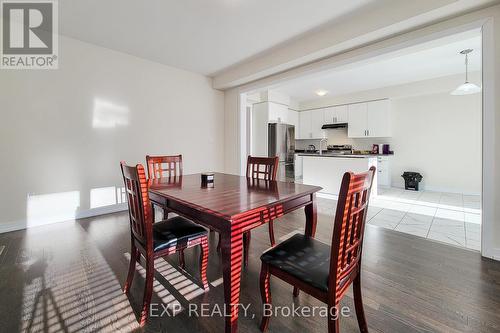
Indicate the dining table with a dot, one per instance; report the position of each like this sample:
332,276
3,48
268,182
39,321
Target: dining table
232,205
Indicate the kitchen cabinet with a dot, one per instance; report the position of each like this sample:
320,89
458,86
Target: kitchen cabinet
379,118
317,121
260,120
278,113
370,119
336,114
310,123
298,167
328,172
357,120
305,125
383,171
293,119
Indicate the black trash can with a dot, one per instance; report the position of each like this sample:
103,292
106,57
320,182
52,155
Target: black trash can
411,180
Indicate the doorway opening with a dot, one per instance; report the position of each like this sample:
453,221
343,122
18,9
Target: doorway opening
402,112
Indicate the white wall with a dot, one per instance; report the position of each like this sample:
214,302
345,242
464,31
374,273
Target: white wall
437,135
63,132
491,158
434,133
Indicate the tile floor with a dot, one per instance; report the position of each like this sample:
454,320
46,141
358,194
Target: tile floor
451,218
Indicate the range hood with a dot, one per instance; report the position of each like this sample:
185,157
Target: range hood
336,125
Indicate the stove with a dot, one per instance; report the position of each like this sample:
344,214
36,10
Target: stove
340,149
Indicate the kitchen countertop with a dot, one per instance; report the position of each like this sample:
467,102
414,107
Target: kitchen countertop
344,155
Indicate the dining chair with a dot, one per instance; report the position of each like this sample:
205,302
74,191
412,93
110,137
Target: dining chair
322,271
264,168
154,240
164,167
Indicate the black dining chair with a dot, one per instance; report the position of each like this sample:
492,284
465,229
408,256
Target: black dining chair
322,271
154,240
258,168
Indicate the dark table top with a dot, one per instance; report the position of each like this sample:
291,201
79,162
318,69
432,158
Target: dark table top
231,195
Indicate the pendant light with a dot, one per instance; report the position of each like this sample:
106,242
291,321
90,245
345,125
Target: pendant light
467,88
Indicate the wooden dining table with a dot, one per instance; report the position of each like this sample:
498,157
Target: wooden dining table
232,205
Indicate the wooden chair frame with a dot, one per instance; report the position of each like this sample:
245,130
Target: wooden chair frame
254,171
156,171
141,227
345,256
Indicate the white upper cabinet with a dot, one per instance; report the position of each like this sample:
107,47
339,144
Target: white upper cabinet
278,113
293,119
379,118
365,120
370,119
305,125
357,121
310,123
336,114
317,120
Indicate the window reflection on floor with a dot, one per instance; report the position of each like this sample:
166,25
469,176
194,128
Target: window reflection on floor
452,218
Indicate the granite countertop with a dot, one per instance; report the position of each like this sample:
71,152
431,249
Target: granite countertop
344,155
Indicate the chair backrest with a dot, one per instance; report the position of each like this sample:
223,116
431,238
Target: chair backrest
164,166
262,167
139,207
345,260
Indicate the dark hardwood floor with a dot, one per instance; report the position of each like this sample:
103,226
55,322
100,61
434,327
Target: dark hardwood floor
67,277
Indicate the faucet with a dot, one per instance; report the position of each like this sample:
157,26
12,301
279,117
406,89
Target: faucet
320,145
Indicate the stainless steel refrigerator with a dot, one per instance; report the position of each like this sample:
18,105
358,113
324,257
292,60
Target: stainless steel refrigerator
281,143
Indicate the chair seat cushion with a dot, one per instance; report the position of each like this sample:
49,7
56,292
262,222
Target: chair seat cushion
302,257
176,230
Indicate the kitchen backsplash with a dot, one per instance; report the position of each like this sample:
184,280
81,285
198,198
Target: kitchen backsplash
302,144
339,137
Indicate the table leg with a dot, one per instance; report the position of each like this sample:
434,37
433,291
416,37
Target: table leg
232,248
311,217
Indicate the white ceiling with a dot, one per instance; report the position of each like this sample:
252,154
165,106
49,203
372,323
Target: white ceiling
421,62
204,36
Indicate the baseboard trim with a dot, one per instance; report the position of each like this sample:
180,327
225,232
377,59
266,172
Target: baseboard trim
327,196
12,226
439,189
492,254
22,224
101,211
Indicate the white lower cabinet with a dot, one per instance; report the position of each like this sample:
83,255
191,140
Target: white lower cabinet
328,172
298,167
383,171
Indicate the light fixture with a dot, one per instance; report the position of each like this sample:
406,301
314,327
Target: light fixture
321,92
467,88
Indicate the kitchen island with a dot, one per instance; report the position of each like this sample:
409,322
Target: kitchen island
327,170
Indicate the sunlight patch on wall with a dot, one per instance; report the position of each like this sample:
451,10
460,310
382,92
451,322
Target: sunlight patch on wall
51,208
109,115
106,196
